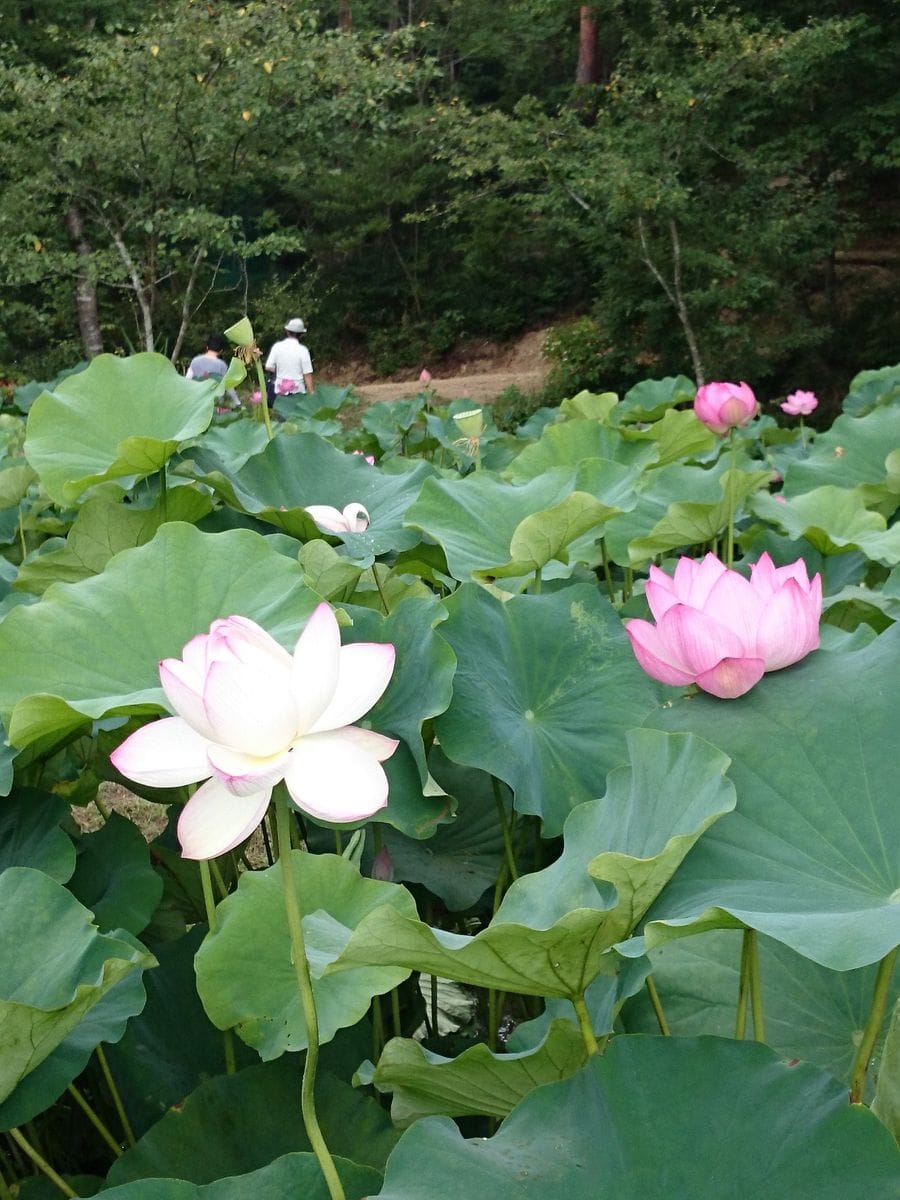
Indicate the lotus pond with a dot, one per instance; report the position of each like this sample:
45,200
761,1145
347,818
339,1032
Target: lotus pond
535,851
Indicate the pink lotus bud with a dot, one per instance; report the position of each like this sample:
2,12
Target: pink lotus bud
256,397
425,376
383,866
721,631
724,406
370,458
800,404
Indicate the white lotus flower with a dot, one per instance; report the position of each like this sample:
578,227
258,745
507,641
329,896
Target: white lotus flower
354,518
249,715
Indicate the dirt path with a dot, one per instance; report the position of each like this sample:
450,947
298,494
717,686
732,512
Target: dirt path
480,373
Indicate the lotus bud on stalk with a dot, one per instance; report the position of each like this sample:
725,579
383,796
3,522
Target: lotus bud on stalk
471,425
722,632
353,519
724,406
249,715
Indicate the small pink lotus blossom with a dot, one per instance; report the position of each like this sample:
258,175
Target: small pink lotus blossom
354,518
425,376
800,404
286,387
249,715
370,458
723,406
779,499
256,397
721,631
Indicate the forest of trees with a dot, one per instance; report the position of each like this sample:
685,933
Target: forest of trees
675,185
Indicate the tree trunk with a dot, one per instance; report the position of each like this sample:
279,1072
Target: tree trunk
589,70
345,16
85,288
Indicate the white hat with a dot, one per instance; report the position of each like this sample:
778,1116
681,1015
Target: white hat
295,325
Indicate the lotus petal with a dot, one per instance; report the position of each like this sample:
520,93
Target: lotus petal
316,666
244,774
165,753
789,627
334,778
215,820
732,677
365,672
250,710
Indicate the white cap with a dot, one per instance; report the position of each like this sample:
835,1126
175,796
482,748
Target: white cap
295,325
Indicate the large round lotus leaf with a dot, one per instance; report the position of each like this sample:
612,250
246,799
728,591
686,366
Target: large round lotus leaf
811,855
834,520
290,1175
298,470
851,452
232,444
652,398
101,640
30,835
545,688
122,418
54,968
245,976
569,443
810,1012
101,529
553,932
104,1023
237,1123
484,523
657,491
660,1119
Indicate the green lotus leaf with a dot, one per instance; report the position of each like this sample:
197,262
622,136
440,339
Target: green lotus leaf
652,399
122,419
544,690
113,876
886,1104
477,1082
546,536
678,436
16,476
30,835
245,976
234,443
100,530
234,1124
292,1174
810,1013
849,454
811,854
570,442
657,491
551,934
327,572
54,968
105,1023
869,389
691,523
834,520
102,639
463,857
658,1118
297,470
589,405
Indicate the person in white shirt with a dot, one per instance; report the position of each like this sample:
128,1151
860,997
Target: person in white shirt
291,363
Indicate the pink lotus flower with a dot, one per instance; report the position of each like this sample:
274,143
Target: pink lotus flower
256,397
354,518
722,406
800,404
383,866
425,376
370,458
721,631
250,715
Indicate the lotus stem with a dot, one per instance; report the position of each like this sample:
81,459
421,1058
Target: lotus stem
507,840
163,493
217,876
307,1000
41,1163
657,1007
627,583
377,1029
536,586
116,1098
211,920
740,1028
22,541
263,397
94,1119
395,1013
607,573
753,978
384,603
729,544
584,1022
496,1001
880,995
5,1193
